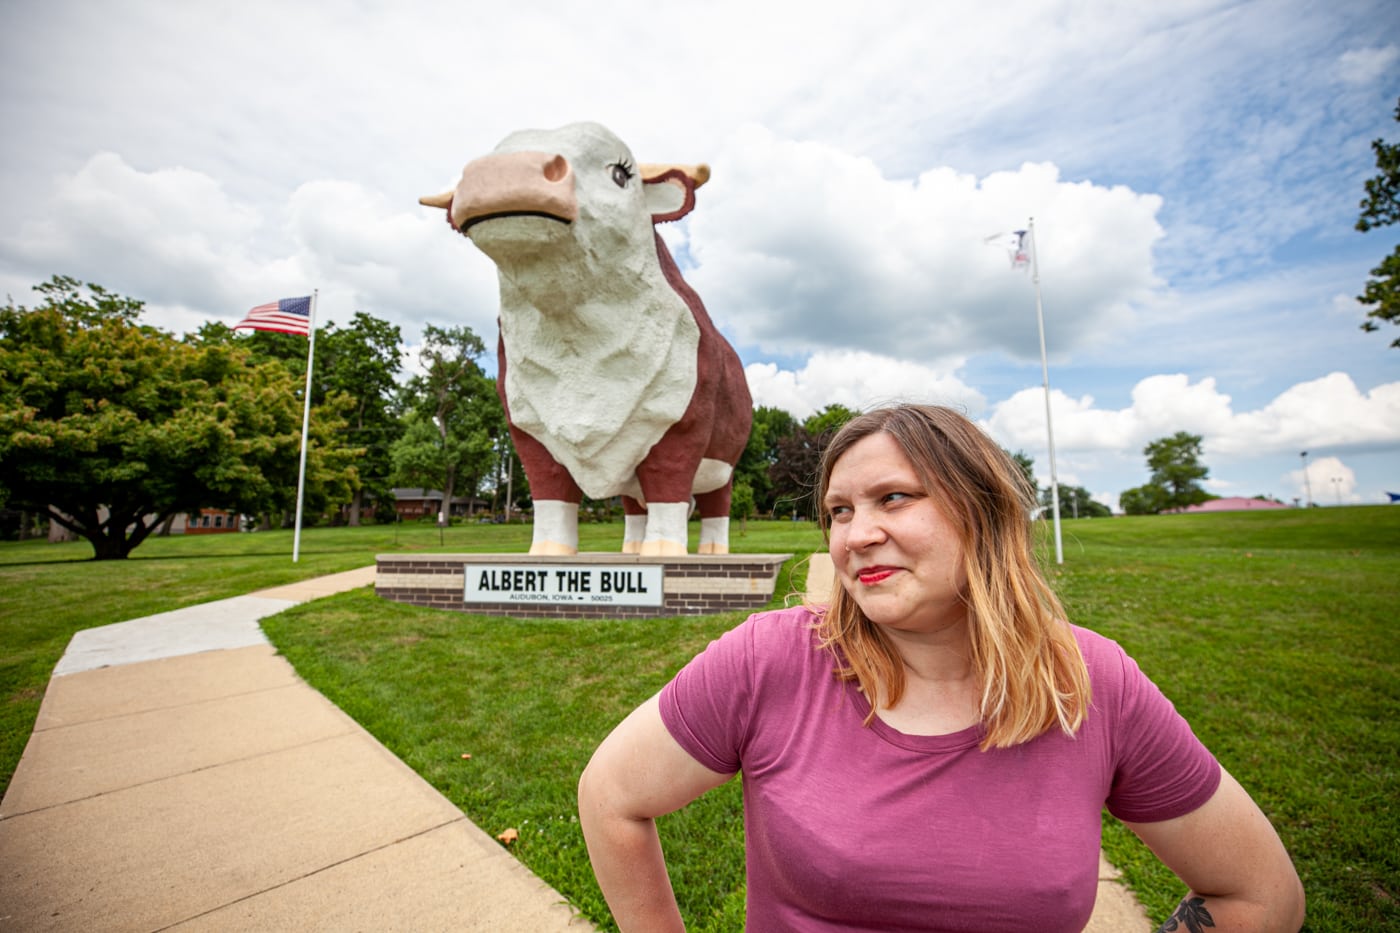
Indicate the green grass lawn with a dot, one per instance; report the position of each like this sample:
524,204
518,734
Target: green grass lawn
1272,632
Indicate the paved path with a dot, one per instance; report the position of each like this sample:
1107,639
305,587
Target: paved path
181,776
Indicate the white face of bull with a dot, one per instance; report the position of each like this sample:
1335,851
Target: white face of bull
572,198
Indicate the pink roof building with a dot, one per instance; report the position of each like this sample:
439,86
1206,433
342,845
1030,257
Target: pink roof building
1234,504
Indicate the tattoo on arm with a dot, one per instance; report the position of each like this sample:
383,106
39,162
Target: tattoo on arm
1190,913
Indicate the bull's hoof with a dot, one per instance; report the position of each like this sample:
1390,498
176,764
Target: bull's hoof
631,547
552,549
663,549
712,547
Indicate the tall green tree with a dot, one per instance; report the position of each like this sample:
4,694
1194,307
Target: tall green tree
362,362
1176,474
454,420
825,423
1176,467
770,425
796,460
793,475
1381,208
109,426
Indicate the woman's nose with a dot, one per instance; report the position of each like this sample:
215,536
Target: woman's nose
864,529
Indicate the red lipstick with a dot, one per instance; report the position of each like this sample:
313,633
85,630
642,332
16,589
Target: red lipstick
872,575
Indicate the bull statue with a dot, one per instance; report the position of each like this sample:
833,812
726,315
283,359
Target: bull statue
614,379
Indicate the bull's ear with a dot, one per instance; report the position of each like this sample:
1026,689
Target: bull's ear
670,189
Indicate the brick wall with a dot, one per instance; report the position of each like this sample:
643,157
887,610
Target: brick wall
692,585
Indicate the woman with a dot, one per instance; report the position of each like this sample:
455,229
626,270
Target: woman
933,750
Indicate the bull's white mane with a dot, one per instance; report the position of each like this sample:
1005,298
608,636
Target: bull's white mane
599,383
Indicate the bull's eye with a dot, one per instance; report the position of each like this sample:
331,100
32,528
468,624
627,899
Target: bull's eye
622,173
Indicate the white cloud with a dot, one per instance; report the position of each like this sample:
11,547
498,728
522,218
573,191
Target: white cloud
1328,481
176,239
800,246
1363,66
857,380
1328,412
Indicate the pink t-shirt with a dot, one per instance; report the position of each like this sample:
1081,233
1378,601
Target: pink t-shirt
851,827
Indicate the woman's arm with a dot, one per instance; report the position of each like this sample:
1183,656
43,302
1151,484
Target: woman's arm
1227,853
639,772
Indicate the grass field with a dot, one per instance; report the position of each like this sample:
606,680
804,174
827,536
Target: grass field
1273,632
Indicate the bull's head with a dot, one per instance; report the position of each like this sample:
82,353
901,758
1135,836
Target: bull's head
560,175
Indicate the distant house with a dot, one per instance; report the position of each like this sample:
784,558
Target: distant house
413,504
206,522
1233,504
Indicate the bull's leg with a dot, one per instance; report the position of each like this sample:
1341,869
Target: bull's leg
556,527
634,525
666,476
666,529
556,497
714,520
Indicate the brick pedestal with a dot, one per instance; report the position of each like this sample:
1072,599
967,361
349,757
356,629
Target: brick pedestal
690,585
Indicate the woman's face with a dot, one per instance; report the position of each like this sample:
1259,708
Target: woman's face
894,551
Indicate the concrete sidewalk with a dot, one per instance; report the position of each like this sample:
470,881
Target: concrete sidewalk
182,776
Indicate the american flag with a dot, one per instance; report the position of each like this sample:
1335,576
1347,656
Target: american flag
288,316
1017,246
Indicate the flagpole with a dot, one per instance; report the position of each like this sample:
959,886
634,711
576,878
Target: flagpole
306,424
1045,379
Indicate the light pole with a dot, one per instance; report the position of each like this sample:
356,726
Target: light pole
1337,485
1307,486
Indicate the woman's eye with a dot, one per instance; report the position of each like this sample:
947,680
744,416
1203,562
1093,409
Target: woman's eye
836,513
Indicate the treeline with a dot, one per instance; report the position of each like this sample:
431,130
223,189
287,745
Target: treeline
110,427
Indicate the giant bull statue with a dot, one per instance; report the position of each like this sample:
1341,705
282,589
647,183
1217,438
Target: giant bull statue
614,379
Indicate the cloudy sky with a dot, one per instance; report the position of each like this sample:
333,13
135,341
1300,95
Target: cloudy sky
1193,169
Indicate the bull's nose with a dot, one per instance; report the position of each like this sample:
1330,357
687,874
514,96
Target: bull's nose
514,183
556,169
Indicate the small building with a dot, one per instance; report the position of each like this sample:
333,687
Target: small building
206,522
414,504
1233,504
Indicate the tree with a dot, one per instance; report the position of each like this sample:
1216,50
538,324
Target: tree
108,426
769,426
825,423
454,420
741,504
793,475
1381,208
1076,502
1176,468
796,458
1026,463
1142,500
361,362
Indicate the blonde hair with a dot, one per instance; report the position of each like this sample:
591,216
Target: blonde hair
1028,665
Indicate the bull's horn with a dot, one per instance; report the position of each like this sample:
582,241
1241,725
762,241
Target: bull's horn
697,173
443,200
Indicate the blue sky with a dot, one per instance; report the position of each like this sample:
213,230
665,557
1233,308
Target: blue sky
1194,173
